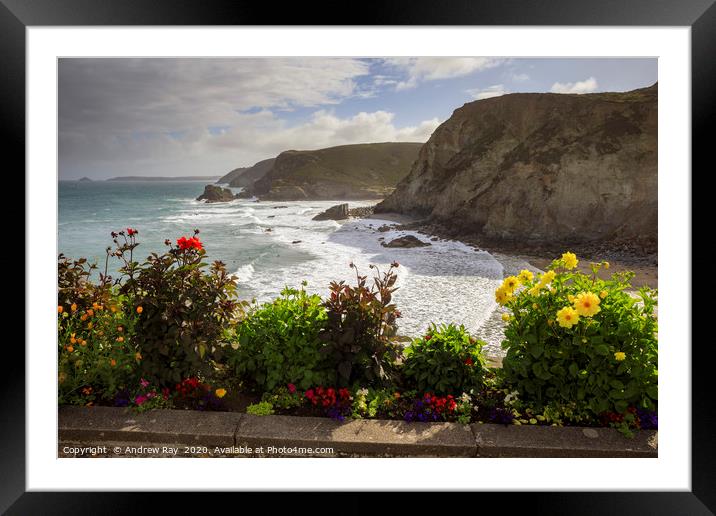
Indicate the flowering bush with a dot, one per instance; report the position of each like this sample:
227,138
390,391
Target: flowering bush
576,338
193,394
335,403
182,310
445,360
144,397
97,356
278,343
360,329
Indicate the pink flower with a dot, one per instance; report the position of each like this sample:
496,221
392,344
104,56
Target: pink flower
291,388
143,383
140,399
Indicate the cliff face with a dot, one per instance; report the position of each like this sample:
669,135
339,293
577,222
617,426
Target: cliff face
225,180
541,166
249,175
363,171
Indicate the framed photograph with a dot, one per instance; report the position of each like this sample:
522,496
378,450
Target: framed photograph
420,249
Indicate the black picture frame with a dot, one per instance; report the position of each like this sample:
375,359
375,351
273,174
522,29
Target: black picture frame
699,15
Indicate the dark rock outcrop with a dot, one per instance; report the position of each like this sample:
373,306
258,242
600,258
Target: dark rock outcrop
541,166
337,212
213,193
406,242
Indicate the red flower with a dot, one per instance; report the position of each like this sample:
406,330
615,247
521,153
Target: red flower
131,231
291,388
428,337
469,361
309,394
344,393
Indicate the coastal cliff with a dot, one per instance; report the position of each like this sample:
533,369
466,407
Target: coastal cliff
541,166
362,171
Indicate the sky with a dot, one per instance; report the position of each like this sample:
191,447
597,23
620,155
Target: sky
207,116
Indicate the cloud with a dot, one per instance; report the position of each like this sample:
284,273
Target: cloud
323,129
585,86
207,116
520,77
495,90
418,69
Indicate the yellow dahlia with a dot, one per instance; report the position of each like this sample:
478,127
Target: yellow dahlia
511,283
534,291
570,260
526,276
603,294
505,317
547,277
503,295
619,356
567,317
587,304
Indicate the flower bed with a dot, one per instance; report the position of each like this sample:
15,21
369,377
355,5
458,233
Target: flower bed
170,332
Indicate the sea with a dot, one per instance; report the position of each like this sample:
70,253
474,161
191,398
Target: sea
271,245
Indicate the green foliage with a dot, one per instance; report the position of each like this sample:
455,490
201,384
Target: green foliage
607,361
262,408
278,343
283,398
182,309
446,360
361,328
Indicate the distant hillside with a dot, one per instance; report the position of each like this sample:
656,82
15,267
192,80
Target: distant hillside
249,175
362,171
225,180
164,178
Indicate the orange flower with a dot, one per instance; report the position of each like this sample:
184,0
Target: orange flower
83,317
139,309
120,329
73,307
89,325
83,343
60,309
120,339
113,362
90,312
138,355
70,349
73,339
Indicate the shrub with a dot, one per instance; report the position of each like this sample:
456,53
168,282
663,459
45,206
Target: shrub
97,355
446,360
182,310
360,330
278,343
578,339
262,408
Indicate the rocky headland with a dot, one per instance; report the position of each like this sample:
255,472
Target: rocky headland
362,171
540,170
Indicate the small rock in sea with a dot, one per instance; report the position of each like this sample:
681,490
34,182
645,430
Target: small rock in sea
384,228
279,207
271,216
337,212
296,241
268,230
381,238
435,239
